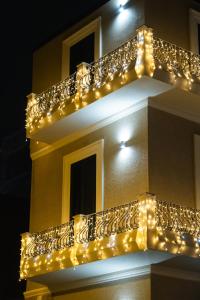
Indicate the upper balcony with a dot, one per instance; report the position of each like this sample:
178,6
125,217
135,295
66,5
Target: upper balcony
113,244
144,66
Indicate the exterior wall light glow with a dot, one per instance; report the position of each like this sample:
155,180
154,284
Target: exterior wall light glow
122,3
121,8
122,144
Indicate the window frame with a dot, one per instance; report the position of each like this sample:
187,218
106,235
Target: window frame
194,17
92,27
197,169
96,148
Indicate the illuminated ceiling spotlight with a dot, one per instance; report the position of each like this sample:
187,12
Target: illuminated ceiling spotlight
122,144
122,4
121,8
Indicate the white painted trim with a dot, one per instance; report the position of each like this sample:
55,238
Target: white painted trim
197,169
175,273
132,273
135,273
94,26
176,112
73,137
37,293
194,17
94,148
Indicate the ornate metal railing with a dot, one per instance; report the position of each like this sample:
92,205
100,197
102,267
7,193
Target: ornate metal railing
47,241
94,226
168,217
178,61
179,219
112,221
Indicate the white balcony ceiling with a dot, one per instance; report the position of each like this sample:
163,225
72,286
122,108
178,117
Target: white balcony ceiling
111,269
117,268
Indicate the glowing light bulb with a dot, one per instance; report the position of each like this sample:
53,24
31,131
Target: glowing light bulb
122,144
122,3
121,8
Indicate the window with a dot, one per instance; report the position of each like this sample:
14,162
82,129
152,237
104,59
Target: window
195,30
83,181
83,51
83,186
82,46
197,168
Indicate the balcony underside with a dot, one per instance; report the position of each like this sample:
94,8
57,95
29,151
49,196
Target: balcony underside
115,268
128,97
95,272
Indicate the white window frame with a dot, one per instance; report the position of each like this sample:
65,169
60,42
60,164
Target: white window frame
93,27
197,169
194,21
94,148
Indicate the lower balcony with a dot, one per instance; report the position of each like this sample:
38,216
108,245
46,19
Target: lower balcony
112,244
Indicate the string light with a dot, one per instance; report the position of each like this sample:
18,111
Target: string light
144,64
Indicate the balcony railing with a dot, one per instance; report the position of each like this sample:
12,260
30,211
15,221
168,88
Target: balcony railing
179,62
144,54
146,223
73,89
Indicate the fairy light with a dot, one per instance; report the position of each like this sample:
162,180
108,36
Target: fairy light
97,94
108,86
177,61
145,60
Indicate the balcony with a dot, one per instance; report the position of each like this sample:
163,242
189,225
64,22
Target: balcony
112,244
143,67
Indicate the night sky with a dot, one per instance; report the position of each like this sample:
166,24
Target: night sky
25,26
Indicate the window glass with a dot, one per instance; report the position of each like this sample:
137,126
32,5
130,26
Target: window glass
83,51
83,186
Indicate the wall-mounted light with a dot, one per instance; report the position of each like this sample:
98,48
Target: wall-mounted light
121,8
122,144
122,4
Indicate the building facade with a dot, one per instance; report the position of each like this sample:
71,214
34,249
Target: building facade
115,146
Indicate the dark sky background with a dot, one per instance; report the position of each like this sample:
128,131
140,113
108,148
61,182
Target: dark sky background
25,26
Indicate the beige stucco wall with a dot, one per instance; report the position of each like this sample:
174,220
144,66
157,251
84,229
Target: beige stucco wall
170,20
130,290
115,30
125,173
171,157
167,288
159,159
